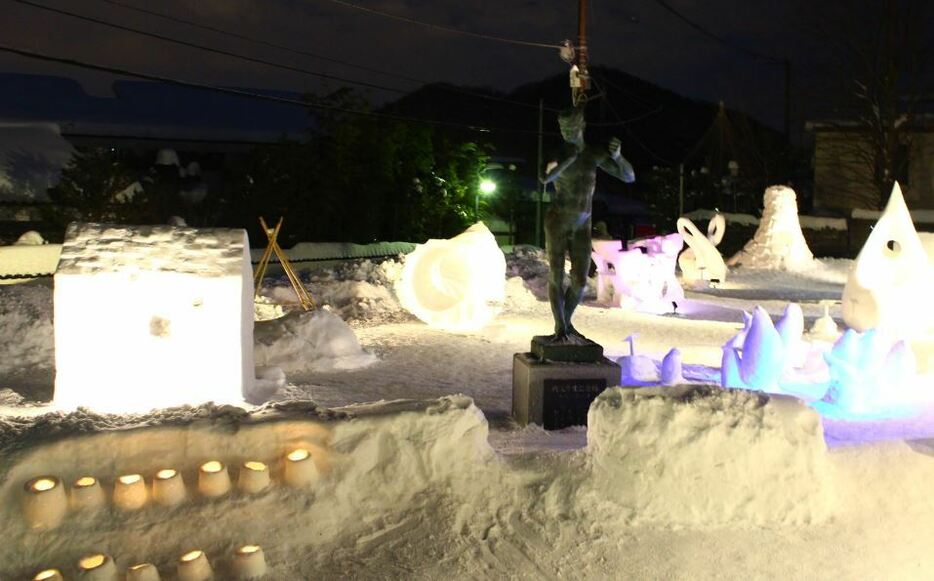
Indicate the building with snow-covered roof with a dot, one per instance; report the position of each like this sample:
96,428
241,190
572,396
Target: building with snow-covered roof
152,316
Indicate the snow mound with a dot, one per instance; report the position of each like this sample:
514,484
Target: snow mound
26,323
778,243
700,455
309,341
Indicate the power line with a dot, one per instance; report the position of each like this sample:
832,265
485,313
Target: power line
443,28
206,48
631,133
720,39
250,95
300,52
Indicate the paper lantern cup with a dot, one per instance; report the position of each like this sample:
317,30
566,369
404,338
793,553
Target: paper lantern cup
253,478
213,479
300,469
48,575
87,493
97,567
168,488
44,502
143,572
130,492
249,562
194,566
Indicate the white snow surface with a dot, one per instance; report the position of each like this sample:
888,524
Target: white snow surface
675,483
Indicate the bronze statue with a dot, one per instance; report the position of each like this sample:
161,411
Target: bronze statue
568,221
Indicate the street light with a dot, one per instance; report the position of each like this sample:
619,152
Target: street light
487,187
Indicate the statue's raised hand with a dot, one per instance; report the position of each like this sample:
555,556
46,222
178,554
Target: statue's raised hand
614,148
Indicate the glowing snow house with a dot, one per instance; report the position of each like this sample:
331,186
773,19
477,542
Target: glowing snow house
152,316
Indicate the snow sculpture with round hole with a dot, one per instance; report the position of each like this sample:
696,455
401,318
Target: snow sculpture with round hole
889,286
458,284
152,316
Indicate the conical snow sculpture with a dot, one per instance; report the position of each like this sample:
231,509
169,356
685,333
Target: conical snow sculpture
889,288
702,262
758,356
457,284
778,243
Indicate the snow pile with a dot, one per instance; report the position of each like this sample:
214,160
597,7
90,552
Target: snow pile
26,327
308,341
778,243
359,291
700,455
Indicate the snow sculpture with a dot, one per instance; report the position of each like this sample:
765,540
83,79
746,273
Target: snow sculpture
889,286
643,275
635,368
701,262
152,316
671,368
757,356
778,243
871,375
457,284
825,327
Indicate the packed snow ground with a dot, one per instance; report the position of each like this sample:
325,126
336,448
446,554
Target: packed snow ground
448,488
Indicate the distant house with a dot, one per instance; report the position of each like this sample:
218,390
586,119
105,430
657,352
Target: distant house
843,182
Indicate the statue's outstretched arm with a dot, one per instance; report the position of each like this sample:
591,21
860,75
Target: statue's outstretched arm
556,171
616,165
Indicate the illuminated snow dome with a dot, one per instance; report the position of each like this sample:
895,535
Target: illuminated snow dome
152,316
458,284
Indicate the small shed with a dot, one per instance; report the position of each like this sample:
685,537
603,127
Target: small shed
152,316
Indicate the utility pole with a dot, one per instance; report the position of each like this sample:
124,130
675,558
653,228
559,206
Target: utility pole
541,177
579,94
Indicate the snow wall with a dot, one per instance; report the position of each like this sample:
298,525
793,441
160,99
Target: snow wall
423,468
703,455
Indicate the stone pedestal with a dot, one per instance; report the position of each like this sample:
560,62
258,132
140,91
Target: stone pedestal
558,394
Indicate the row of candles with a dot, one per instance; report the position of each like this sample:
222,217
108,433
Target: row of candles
248,562
45,502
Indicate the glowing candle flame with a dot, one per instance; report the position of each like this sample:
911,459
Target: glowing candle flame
85,482
191,556
166,474
92,562
47,574
130,478
212,466
255,466
298,455
43,484
247,549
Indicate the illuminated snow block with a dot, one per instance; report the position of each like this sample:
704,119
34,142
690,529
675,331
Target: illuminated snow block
152,316
457,284
778,243
643,276
702,262
889,286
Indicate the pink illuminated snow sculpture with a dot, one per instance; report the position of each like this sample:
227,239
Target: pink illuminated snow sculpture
643,276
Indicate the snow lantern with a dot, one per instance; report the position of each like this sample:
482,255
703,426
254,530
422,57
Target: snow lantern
254,477
643,275
44,502
194,566
152,316
702,262
249,562
97,567
778,243
87,493
457,284
889,286
213,479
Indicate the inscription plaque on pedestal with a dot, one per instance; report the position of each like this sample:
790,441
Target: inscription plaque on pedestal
556,394
565,402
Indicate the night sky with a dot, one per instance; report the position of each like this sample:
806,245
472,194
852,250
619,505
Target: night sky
639,37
